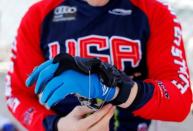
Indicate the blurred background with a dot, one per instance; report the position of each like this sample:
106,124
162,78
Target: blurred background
11,12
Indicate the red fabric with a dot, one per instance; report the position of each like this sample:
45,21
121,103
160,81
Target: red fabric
26,55
161,67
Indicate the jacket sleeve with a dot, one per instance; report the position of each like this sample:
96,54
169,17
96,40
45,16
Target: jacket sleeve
167,68
26,54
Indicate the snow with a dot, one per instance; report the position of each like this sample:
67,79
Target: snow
11,12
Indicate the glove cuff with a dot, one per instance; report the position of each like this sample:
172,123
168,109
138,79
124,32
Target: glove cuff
124,93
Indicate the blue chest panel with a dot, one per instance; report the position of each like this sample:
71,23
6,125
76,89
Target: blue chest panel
117,32
75,19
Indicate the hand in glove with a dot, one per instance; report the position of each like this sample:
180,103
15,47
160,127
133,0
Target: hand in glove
90,78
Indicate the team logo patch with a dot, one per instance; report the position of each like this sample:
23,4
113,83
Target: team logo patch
28,115
164,91
64,13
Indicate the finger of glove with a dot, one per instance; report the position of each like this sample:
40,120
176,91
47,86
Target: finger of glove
59,94
50,88
44,76
66,80
66,63
34,75
69,86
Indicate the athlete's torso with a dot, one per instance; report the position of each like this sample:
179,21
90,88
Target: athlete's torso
116,33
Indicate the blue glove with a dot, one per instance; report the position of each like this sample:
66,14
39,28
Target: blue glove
41,75
54,88
66,75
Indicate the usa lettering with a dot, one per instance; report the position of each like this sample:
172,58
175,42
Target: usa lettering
54,49
120,49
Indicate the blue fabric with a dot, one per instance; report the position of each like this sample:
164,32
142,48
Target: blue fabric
54,89
34,75
9,127
73,82
50,123
41,75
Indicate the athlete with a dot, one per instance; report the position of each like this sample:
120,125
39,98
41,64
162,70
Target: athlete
140,41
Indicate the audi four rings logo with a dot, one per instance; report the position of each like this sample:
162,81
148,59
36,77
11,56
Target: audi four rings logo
65,10
64,13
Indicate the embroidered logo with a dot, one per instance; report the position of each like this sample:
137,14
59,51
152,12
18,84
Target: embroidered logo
122,12
64,13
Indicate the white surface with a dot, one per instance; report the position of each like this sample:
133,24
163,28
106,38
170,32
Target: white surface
11,12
